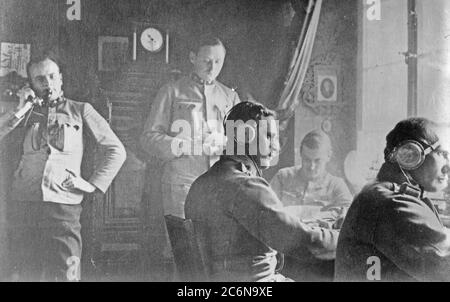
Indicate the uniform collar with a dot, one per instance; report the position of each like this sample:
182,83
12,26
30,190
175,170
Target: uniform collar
199,80
55,103
244,164
321,179
391,172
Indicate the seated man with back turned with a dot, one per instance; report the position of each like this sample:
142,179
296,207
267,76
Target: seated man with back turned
392,232
316,196
241,220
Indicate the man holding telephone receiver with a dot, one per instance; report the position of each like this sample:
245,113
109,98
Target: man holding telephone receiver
44,226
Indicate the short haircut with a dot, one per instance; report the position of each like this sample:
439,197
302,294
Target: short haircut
42,56
415,128
316,139
205,40
247,111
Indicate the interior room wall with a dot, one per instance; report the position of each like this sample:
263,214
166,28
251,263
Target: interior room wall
383,80
335,45
434,60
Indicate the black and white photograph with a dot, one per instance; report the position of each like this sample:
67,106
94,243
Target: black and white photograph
207,142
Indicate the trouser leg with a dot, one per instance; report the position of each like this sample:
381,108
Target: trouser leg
25,242
61,231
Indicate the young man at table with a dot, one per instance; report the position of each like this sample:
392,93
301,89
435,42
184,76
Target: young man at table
392,232
316,196
310,183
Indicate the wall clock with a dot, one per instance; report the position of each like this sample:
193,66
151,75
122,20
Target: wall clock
152,39
150,44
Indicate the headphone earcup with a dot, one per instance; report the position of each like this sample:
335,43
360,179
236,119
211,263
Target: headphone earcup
251,134
247,136
409,155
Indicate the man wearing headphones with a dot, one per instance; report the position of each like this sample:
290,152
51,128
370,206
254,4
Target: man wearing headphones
392,232
241,221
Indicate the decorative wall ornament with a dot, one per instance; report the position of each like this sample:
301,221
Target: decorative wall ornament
332,49
322,89
327,85
326,125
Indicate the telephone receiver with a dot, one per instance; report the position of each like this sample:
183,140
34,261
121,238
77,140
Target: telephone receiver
44,100
31,102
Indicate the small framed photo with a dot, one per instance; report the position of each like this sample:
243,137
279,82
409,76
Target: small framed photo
327,84
113,53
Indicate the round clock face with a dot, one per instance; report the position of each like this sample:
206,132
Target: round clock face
152,39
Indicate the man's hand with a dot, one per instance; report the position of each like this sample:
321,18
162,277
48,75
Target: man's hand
23,95
337,213
74,182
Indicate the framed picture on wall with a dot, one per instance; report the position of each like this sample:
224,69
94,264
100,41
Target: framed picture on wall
327,83
14,57
113,53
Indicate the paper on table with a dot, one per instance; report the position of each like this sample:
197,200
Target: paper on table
313,211
307,212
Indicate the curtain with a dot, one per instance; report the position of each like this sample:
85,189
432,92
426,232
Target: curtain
299,64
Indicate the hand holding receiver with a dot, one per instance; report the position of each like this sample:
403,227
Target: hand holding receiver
25,94
27,100
9,121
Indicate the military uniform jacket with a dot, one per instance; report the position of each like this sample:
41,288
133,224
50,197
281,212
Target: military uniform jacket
186,103
294,189
392,233
51,151
243,224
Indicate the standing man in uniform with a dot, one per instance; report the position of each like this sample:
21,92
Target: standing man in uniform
44,222
184,128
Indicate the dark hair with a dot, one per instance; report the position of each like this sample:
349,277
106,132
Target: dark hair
246,111
316,139
415,128
205,40
42,56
